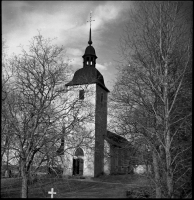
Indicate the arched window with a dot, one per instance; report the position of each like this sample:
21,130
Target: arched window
87,61
78,162
79,152
91,61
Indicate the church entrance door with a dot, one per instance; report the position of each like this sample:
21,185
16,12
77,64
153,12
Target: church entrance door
78,162
78,166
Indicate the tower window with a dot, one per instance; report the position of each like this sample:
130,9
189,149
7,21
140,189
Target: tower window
87,61
81,94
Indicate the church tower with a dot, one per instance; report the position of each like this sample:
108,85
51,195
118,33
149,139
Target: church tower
89,75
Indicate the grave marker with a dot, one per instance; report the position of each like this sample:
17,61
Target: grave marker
52,193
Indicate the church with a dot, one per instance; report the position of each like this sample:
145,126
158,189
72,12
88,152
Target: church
100,151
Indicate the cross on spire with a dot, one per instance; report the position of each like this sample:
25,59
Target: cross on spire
90,19
90,40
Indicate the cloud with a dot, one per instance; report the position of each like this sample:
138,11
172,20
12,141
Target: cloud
21,20
101,67
107,64
74,52
104,66
109,12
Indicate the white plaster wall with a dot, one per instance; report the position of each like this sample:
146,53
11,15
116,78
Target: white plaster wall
68,162
85,107
88,162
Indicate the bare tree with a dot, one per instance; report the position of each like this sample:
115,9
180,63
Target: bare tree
156,51
41,112
6,135
37,101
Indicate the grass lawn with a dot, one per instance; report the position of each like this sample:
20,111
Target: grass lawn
104,187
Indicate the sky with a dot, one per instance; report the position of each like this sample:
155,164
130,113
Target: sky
67,22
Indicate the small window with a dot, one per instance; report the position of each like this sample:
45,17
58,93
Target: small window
81,94
91,63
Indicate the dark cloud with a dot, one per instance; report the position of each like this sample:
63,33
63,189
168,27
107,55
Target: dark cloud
66,20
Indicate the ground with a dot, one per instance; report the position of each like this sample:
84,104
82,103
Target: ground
103,187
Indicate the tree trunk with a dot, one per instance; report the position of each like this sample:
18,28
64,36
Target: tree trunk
24,180
24,186
7,163
169,180
157,175
19,168
169,174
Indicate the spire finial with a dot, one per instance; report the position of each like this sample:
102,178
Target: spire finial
90,40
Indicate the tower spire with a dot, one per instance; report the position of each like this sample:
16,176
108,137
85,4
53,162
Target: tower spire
90,40
90,37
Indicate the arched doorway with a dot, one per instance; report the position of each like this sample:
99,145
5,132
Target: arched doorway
78,162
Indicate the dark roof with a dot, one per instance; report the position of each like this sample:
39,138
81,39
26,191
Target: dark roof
116,140
87,75
90,51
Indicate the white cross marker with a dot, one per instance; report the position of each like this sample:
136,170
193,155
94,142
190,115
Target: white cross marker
52,192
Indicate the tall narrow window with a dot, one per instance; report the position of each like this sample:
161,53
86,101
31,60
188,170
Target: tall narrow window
87,61
81,94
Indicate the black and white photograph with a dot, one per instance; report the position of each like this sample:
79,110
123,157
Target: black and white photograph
96,99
